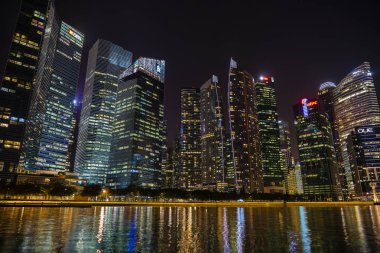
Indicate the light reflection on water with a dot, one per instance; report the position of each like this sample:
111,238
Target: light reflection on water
190,229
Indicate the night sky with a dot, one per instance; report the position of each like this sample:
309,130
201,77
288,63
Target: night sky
300,43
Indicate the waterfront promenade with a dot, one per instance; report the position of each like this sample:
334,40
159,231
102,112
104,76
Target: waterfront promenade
58,203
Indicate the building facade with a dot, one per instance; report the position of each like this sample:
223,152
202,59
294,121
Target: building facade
363,145
286,155
138,129
355,104
269,134
73,140
106,62
326,106
190,140
316,151
244,132
16,84
48,128
212,137
293,180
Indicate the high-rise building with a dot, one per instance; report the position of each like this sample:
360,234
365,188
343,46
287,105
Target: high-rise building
190,140
293,181
213,136
355,104
16,84
138,129
106,62
48,128
326,106
177,168
164,156
73,140
266,104
168,175
286,155
244,132
316,151
363,146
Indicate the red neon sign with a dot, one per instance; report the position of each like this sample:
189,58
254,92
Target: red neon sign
312,103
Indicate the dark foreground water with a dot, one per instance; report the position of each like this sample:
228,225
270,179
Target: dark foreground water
190,229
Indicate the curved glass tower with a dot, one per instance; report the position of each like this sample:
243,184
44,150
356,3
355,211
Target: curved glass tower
355,104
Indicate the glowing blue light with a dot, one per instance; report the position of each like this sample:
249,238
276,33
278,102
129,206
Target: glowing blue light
304,108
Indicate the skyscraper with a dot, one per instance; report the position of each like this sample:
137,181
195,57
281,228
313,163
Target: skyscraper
363,145
177,167
326,106
73,140
106,62
136,149
293,181
213,136
286,155
16,84
168,175
316,151
190,140
243,127
48,129
266,104
355,104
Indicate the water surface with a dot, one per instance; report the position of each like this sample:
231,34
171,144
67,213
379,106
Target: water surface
190,229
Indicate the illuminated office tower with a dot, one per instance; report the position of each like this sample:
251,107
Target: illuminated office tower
293,181
355,104
243,127
16,84
164,156
73,140
363,145
168,175
212,132
286,156
106,62
316,151
177,167
190,140
48,129
136,149
266,104
326,105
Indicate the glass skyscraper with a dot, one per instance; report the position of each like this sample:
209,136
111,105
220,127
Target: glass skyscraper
212,136
16,84
246,171
48,128
355,104
316,151
190,140
106,62
326,106
138,129
266,104
363,146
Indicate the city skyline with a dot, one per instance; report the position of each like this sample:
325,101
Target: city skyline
228,141
320,57
176,126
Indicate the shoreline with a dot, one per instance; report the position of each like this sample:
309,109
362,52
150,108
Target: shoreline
88,204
